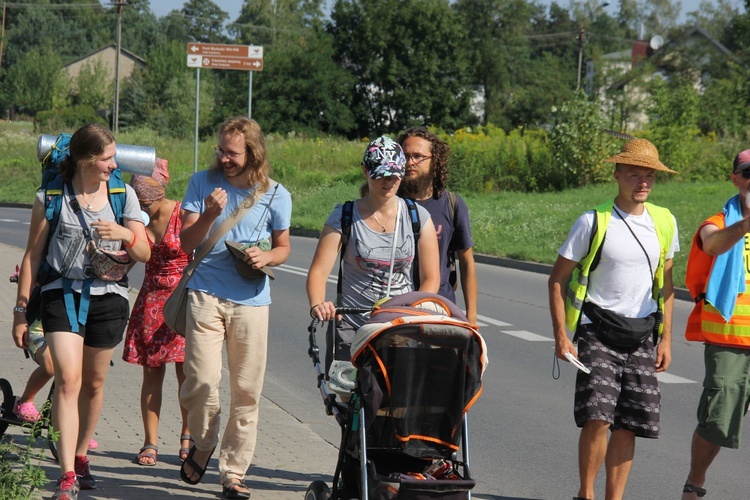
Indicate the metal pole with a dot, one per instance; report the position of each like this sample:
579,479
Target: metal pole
250,95
116,125
197,108
2,35
581,34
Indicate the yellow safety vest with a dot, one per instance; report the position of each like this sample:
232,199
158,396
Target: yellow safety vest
579,280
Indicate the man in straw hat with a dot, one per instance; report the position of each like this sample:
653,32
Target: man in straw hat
718,282
618,303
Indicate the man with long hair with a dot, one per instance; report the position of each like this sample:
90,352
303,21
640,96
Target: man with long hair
229,298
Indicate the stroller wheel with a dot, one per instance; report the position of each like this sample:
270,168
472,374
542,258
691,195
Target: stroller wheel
7,400
318,490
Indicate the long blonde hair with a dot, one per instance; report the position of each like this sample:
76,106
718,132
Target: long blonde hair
255,147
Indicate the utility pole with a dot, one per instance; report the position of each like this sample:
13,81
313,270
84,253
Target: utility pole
115,124
581,40
2,36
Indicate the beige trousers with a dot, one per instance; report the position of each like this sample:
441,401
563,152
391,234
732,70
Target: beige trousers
210,322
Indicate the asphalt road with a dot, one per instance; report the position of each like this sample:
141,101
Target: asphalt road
523,439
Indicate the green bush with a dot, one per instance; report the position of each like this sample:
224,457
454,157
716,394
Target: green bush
69,119
488,160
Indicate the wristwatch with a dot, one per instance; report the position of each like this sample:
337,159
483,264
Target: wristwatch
19,309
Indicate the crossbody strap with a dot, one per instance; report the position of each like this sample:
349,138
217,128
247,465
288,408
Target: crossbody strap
650,269
225,226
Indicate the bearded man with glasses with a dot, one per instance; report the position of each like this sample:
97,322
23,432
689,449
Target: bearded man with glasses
424,182
717,277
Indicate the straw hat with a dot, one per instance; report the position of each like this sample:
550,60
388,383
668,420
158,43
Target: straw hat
641,153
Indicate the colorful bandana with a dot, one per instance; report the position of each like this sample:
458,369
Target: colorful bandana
384,158
151,188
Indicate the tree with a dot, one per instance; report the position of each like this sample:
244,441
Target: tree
94,86
32,81
302,89
408,61
205,21
715,17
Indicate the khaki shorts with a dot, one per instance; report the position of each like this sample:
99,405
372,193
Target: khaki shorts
726,395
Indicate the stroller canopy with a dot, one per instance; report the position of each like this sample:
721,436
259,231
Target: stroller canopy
420,364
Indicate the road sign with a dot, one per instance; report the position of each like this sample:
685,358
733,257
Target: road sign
223,56
221,62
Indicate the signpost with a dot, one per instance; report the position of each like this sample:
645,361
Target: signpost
223,56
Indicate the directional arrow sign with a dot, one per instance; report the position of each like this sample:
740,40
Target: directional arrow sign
221,62
218,49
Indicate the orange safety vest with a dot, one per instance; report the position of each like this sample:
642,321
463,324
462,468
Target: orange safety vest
705,324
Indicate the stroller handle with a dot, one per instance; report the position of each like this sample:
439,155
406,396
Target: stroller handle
353,310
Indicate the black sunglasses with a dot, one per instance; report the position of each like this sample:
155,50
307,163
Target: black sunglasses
745,173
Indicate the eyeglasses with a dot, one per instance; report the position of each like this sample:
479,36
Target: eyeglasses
221,153
417,158
745,173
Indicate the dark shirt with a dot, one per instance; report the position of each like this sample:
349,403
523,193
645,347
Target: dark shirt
460,234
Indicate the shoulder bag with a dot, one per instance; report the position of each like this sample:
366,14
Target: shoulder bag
175,307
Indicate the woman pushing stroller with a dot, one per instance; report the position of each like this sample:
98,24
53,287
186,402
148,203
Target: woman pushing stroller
379,247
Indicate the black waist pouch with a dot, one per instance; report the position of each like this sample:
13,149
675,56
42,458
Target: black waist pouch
619,332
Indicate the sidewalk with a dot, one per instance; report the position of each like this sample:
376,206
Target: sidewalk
288,457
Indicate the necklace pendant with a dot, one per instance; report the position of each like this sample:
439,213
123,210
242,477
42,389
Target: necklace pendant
88,207
383,228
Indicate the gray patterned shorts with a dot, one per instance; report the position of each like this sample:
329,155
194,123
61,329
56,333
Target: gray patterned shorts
621,389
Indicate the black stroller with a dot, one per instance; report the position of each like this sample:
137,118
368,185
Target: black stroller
419,367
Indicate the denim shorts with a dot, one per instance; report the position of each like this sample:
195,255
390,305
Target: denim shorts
726,395
105,324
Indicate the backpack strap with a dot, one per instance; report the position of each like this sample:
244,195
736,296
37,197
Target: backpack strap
453,210
347,213
416,226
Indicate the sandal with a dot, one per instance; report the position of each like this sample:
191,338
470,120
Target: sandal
150,451
236,489
183,453
689,488
196,468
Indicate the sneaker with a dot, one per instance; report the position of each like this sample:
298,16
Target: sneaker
26,411
83,473
67,487
93,444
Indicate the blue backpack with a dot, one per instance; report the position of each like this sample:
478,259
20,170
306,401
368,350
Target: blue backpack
52,184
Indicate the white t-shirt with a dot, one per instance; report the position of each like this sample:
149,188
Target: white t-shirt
622,280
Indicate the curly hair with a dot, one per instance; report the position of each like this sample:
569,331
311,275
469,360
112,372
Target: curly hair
255,146
440,152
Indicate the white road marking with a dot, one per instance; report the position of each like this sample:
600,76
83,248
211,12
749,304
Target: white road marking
301,271
523,334
668,378
491,321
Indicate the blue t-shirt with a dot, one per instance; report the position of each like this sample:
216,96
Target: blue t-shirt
459,234
217,274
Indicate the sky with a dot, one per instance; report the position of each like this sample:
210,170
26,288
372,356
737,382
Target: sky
233,7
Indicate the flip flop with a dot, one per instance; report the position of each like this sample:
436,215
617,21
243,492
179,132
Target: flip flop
230,492
143,453
689,488
196,468
183,453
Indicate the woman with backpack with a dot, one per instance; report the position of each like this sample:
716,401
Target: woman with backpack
81,212
376,235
